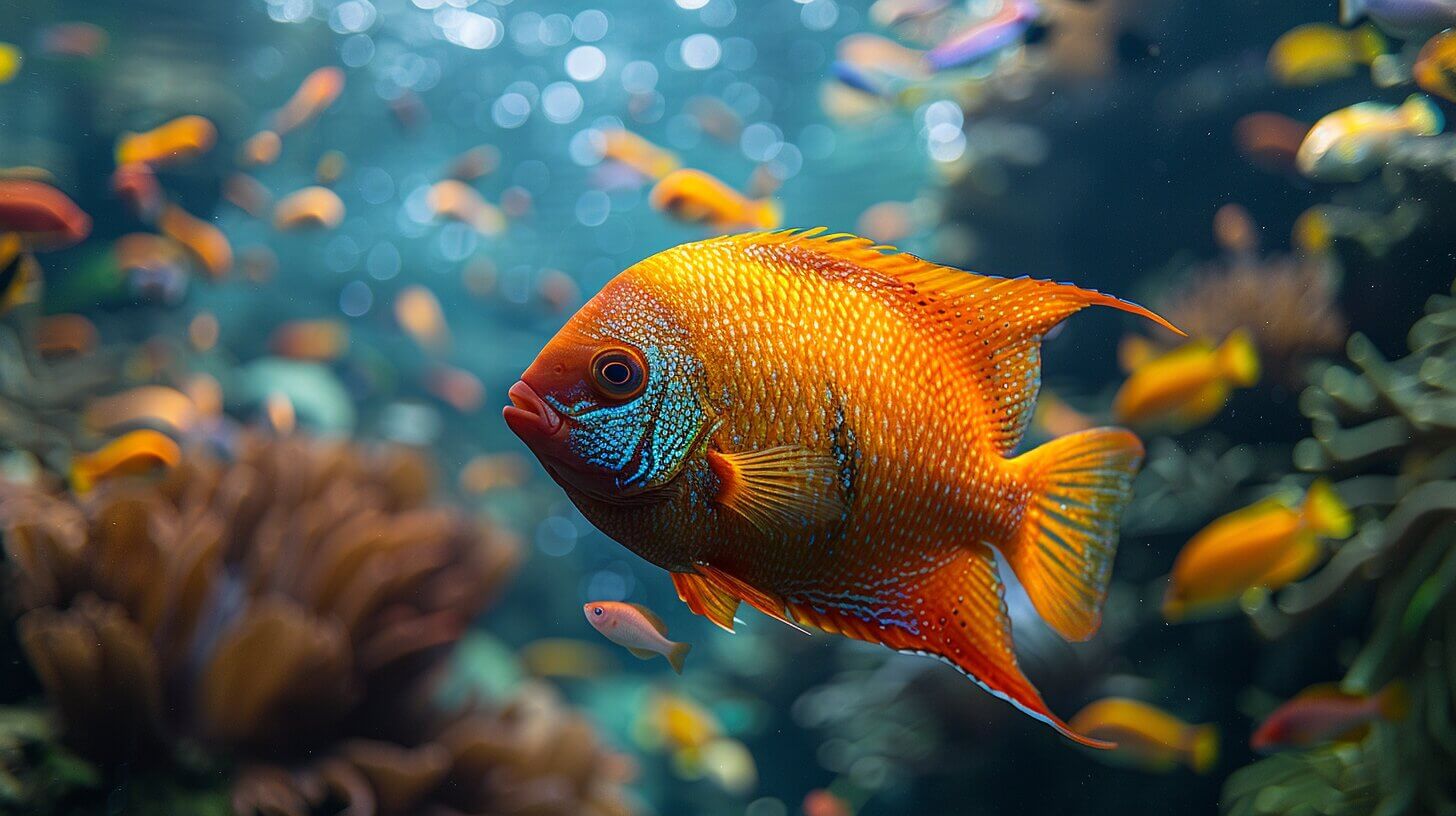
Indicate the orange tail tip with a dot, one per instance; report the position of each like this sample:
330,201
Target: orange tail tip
1325,512
1063,551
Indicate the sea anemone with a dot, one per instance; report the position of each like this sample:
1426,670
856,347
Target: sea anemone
287,609
1286,302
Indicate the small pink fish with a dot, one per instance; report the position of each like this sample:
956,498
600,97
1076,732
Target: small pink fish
638,629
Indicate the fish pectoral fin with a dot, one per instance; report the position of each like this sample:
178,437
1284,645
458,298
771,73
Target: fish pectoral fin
957,614
642,654
705,598
779,488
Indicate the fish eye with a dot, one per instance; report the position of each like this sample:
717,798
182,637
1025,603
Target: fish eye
597,610
618,374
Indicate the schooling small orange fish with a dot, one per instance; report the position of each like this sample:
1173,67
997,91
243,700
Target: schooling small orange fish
1187,386
637,629
824,429
1324,713
1263,546
133,453
698,198
1147,736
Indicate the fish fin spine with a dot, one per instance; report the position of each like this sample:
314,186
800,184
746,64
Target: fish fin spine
1423,115
1063,549
778,488
1203,752
677,655
1325,512
1239,358
706,599
957,614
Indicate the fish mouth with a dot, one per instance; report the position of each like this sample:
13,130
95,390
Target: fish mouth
528,416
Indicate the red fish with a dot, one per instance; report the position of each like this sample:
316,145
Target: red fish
42,214
824,430
1324,713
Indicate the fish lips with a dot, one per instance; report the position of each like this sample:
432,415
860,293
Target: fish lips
529,417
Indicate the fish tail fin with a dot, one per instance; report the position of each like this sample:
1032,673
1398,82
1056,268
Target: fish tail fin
1394,701
767,214
1423,115
1351,11
1203,752
1369,44
1239,359
1325,513
677,654
1062,553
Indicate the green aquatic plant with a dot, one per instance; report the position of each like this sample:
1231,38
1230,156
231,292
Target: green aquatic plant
279,619
1390,426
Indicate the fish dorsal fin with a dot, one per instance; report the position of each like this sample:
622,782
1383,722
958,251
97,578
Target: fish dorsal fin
780,488
705,598
994,325
652,618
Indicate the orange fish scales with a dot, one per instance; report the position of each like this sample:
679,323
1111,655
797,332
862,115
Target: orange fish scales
844,419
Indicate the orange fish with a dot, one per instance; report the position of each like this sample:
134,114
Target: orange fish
1149,737
309,208
183,138
626,147
698,198
474,163
1188,386
1263,546
418,312
1323,713
150,405
44,216
206,242
247,194
63,335
459,388
261,149
458,201
824,430
134,453
637,629
316,340
315,94
1435,66
821,802
331,165
1270,141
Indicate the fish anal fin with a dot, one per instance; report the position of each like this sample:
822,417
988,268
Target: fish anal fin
705,598
956,614
767,603
642,654
779,488
993,325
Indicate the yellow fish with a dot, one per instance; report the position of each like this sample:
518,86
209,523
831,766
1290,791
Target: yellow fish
11,59
1435,66
1147,736
1350,143
824,430
1318,52
137,452
698,198
1261,547
1187,386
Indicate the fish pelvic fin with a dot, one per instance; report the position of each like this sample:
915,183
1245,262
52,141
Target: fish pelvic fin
957,614
1325,513
992,326
677,654
1062,552
705,598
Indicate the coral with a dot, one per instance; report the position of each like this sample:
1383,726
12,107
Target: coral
1394,424
286,609
1286,302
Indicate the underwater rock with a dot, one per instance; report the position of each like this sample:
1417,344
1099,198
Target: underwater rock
287,609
